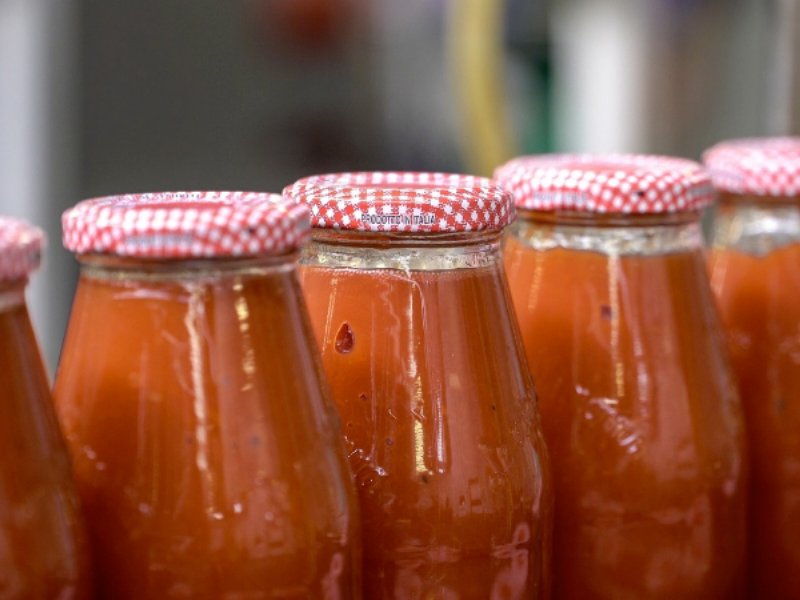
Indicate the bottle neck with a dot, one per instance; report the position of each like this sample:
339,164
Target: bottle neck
756,225
126,268
12,294
617,235
403,252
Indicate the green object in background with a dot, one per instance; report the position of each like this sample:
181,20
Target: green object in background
539,136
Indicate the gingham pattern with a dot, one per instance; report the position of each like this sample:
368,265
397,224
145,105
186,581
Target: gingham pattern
614,183
760,166
21,247
186,225
404,202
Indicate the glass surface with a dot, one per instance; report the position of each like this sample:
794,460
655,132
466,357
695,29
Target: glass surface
755,270
43,551
638,406
209,462
439,413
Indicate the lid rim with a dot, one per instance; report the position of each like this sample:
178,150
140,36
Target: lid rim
185,225
764,166
403,202
21,247
606,184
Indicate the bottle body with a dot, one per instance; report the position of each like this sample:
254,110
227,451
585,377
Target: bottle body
638,407
438,412
755,275
43,552
207,457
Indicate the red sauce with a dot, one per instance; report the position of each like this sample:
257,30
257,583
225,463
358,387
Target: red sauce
639,413
759,300
440,424
209,462
43,551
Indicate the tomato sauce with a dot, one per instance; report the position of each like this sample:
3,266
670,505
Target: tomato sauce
758,296
43,553
639,414
439,416
202,447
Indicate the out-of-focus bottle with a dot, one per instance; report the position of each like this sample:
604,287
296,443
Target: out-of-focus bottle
208,458
43,551
409,301
755,272
639,410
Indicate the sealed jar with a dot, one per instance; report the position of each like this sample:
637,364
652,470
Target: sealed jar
43,552
638,404
208,458
755,272
409,303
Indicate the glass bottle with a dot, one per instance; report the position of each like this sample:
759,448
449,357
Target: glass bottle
755,273
639,409
43,551
409,302
208,458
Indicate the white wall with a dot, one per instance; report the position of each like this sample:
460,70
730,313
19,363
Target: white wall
38,152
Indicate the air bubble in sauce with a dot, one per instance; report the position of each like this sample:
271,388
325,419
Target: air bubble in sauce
345,340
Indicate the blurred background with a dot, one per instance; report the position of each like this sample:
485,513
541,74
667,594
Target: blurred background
108,96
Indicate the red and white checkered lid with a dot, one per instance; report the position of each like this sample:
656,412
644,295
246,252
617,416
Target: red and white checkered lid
404,202
760,166
186,225
21,246
612,183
